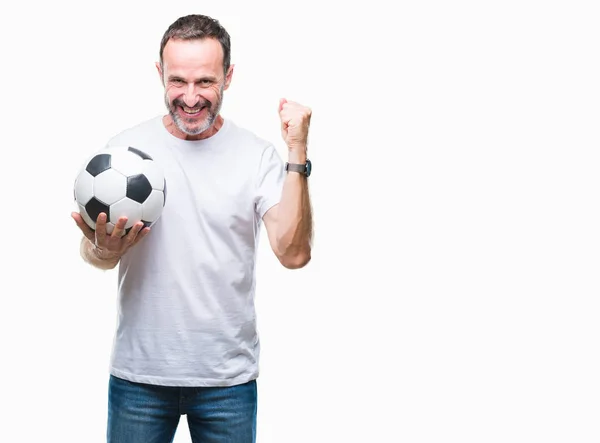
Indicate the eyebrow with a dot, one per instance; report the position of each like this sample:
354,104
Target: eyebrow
178,78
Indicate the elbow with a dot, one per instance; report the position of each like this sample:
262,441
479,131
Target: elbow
295,261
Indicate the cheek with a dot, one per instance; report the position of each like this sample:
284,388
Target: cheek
213,95
172,94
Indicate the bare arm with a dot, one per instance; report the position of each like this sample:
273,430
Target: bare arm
95,256
289,223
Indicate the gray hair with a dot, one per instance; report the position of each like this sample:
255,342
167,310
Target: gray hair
197,26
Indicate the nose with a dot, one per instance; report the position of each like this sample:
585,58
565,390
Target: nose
190,97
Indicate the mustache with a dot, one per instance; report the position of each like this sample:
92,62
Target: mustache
200,104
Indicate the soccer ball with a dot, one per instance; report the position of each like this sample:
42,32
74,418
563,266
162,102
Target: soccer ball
120,181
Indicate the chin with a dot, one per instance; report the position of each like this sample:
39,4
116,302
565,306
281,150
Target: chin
188,129
195,129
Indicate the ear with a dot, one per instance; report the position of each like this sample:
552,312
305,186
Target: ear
228,76
160,73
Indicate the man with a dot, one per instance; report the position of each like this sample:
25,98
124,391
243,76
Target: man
186,340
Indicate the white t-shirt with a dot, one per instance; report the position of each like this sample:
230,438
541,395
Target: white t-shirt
186,292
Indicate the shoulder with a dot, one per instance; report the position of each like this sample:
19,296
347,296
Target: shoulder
252,150
145,130
250,141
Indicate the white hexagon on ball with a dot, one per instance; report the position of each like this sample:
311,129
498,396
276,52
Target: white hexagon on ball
84,187
110,186
126,208
126,162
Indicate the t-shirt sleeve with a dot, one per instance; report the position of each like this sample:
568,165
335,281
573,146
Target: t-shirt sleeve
269,184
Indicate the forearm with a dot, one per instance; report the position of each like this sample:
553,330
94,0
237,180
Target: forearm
294,227
95,258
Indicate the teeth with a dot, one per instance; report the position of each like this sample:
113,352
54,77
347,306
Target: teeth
190,110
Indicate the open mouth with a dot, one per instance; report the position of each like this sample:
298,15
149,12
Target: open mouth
192,111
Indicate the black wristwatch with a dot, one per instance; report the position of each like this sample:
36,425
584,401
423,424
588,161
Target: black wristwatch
305,169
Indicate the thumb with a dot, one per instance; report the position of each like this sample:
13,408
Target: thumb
282,101
284,125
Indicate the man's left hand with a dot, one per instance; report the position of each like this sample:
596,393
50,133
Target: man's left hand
295,121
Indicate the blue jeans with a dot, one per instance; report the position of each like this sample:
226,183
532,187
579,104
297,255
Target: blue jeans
143,413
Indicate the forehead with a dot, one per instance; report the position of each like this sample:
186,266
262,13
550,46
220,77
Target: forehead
181,56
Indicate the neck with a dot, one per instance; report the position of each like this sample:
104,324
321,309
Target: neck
173,129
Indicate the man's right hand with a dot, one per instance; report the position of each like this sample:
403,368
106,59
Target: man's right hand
110,246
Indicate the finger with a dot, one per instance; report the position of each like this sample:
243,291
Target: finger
282,101
100,238
292,106
141,235
133,232
79,221
83,226
285,120
119,229
283,114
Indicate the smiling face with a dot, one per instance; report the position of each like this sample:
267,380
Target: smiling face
194,80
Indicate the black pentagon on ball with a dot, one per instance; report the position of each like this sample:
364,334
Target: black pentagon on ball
94,207
98,164
138,188
140,153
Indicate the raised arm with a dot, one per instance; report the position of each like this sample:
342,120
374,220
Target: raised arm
289,223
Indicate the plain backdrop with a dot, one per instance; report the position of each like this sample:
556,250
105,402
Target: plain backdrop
453,292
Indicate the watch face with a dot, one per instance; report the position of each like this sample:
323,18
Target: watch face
308,167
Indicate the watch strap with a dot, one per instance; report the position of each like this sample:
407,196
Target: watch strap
295,167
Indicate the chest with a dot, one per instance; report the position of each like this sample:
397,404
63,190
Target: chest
210,187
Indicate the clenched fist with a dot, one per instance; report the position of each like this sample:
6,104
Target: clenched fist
295,121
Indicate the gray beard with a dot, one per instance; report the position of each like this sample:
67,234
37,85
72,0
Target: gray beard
210,119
